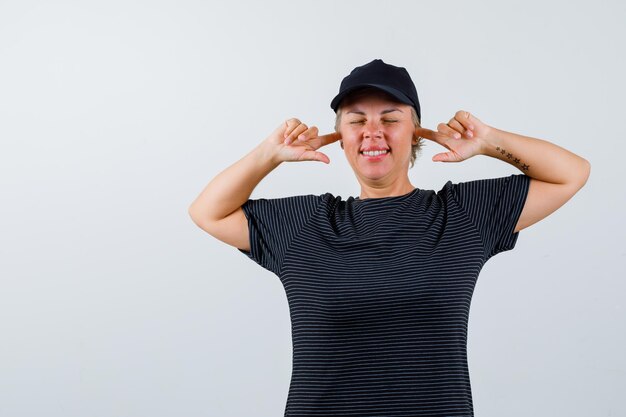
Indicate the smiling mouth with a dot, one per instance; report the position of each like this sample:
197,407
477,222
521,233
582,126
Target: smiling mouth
375,154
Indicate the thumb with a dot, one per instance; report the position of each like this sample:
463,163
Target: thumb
443,157
315,156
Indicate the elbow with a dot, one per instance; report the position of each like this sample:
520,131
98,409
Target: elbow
578,176
200,219
584,173
193,214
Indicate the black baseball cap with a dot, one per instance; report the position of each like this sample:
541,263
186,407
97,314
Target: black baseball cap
389,78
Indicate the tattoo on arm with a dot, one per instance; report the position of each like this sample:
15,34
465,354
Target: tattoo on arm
524,167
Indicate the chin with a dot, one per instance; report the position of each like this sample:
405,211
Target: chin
374,173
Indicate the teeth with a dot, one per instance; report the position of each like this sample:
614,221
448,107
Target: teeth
374,153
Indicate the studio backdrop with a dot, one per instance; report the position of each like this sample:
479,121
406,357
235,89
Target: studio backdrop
115,115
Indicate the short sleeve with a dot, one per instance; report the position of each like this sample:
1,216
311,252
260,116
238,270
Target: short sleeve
494,206
273,224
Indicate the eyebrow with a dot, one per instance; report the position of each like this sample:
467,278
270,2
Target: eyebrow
382,112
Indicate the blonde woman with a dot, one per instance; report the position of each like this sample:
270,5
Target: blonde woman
379,286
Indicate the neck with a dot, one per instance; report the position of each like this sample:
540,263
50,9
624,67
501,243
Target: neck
390,190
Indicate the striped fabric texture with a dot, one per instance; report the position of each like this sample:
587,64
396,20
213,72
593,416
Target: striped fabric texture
379,292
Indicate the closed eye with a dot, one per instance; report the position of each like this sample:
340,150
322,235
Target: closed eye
363,121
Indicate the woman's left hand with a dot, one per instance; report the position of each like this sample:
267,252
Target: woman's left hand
463,135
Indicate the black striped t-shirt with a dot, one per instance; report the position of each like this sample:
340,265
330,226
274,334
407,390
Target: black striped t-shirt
379,292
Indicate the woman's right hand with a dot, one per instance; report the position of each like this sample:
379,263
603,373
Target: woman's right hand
295,141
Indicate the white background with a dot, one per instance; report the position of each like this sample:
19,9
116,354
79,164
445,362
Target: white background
114,116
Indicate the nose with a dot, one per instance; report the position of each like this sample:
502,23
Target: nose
372,128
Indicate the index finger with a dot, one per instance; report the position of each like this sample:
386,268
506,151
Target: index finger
430,134
329,138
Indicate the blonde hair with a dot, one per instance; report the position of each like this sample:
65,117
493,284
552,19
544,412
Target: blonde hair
415,148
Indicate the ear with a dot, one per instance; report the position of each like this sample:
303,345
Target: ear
341,143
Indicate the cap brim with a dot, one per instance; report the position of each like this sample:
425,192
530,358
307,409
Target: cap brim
399,95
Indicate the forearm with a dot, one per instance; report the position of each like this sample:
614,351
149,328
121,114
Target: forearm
536,158
233,186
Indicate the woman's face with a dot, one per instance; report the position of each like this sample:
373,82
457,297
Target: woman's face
375,122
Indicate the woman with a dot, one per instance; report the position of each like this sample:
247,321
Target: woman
379,286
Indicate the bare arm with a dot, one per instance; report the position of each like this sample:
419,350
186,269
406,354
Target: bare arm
232,187
217,210
556,173
542,160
